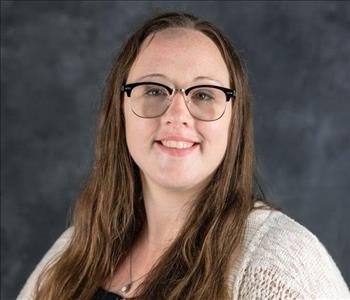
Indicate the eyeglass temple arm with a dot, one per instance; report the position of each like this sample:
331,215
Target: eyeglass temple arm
127,89
231,93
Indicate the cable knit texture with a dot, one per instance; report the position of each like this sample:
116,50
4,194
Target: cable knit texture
281,260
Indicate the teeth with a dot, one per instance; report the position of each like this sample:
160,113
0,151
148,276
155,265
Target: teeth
176,144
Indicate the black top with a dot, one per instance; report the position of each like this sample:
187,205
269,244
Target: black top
102,294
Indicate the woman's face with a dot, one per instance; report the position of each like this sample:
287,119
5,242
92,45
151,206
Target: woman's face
181,56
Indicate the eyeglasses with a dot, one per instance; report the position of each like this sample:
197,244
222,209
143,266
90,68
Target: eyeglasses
152,99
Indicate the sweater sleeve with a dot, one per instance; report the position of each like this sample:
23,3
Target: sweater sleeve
289,262
27,292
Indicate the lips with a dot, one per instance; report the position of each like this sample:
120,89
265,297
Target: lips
177,146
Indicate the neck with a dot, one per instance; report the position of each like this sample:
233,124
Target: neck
166,213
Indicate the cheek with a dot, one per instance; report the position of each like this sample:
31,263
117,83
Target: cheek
216,133
217,140
139,132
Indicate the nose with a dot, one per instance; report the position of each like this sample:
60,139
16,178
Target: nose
177,112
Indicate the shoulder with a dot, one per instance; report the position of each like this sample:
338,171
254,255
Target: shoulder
58,246
284,258
54,252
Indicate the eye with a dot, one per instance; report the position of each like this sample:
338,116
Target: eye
201,96
155,92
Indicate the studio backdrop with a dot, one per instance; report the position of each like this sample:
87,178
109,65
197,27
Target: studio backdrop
54,60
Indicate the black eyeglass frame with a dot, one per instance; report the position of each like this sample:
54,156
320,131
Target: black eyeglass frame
127,88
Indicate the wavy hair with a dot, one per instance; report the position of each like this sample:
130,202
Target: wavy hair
109,213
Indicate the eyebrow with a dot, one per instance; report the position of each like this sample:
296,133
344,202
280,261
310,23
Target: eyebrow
165,77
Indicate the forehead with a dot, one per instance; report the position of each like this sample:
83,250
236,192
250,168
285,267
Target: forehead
181,55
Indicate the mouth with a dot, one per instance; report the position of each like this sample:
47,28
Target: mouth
177,144
176,148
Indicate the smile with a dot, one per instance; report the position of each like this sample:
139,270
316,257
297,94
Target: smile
176,148
177,144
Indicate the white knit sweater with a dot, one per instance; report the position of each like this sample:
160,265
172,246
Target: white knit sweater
282,260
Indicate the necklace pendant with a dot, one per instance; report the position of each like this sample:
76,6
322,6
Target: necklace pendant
126,288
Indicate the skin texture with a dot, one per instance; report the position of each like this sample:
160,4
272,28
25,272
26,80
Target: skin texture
169,182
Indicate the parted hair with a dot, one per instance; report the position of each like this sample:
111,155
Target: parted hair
109,213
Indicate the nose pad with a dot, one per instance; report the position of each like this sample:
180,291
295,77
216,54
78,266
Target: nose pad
177,109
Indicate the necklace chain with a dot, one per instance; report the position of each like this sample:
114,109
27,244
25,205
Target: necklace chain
126,287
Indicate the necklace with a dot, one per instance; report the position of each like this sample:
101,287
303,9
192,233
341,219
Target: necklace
126,287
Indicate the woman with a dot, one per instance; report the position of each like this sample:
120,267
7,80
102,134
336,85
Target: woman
170,211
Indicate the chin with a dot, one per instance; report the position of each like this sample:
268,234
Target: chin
182,185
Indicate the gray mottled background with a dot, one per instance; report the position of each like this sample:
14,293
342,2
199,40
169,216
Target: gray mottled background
55,57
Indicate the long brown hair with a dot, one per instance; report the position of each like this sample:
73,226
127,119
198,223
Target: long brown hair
110,212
